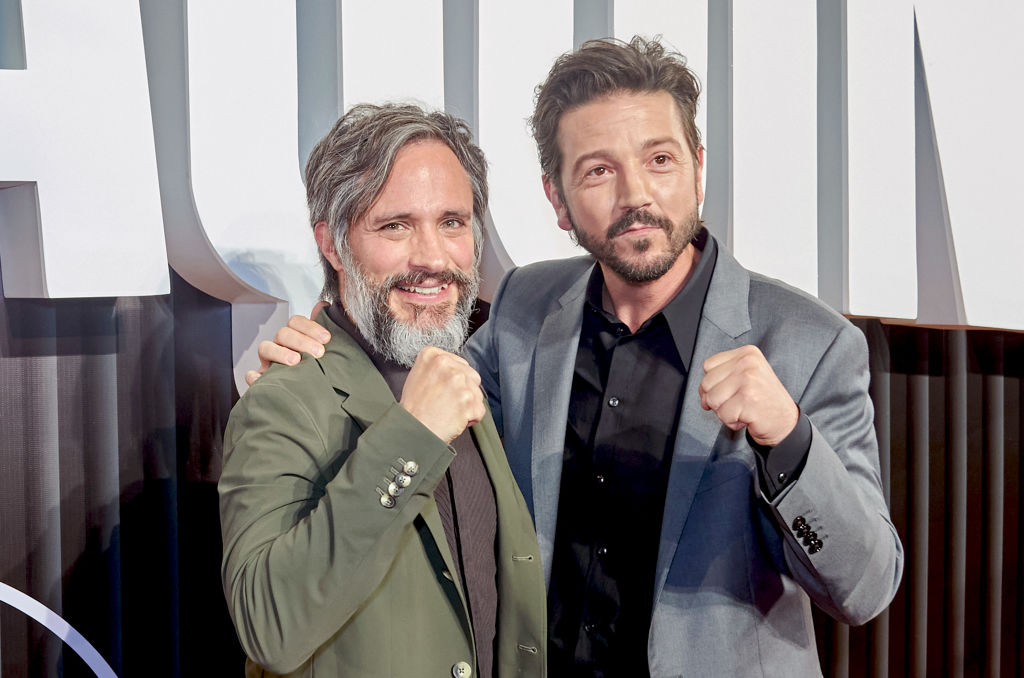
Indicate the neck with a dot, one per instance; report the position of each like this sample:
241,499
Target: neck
635,303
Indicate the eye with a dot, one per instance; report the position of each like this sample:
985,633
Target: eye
452,223
662,159
598,171
393,226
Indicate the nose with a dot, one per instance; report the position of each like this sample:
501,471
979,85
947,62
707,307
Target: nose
634,191
429,250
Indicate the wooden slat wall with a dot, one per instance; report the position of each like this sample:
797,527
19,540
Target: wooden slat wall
948,417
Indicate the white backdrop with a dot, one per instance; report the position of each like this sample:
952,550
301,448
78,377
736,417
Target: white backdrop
865,152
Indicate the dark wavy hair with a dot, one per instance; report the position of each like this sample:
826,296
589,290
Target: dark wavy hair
599,68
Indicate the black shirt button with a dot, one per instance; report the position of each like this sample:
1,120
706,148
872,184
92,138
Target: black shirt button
589,628
602,551
799,522
599,479
613,402
782,477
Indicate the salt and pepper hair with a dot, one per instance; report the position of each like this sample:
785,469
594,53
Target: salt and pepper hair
349,167
603,67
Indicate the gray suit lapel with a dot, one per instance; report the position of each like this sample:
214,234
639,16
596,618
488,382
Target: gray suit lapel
725,320
552,385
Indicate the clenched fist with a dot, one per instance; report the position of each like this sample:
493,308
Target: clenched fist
742,389
443,392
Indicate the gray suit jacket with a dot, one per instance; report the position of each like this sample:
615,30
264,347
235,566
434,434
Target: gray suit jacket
734,583
320,578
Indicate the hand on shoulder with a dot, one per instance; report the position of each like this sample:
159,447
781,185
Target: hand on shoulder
300,335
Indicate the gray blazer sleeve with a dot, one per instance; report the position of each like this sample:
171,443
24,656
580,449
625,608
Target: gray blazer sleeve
837,498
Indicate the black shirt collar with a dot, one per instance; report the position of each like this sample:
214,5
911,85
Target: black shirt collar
683,312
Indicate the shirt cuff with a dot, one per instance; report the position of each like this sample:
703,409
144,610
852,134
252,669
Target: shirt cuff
780,466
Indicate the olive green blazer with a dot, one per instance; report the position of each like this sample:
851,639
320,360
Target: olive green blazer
321,578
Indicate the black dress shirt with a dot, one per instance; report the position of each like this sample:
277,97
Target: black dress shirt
623,413
624,410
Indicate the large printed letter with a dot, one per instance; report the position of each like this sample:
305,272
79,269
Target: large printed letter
971,159
79,196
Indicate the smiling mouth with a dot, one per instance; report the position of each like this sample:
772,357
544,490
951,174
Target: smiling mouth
424,290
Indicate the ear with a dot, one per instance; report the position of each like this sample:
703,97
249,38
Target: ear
698,172
326,244
555,198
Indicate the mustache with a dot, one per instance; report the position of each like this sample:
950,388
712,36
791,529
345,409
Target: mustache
417,278
638,216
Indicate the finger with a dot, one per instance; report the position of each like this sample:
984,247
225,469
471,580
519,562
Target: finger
714,377
309,328
460,360
298,342
478,413
720,359
251,376
270,352
732,413
731,355
723,391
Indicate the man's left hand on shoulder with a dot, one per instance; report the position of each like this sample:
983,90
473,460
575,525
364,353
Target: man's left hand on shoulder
742,389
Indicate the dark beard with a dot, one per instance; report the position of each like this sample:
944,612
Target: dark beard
679,236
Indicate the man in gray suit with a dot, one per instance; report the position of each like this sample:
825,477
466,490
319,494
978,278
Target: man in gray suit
695,440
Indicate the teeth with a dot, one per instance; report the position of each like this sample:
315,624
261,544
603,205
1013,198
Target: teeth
424,290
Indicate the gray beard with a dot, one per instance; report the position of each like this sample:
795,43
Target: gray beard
394,340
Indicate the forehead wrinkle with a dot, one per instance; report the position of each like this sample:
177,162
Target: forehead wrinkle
658,141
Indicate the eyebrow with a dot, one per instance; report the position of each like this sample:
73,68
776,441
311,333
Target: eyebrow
650,143
408,216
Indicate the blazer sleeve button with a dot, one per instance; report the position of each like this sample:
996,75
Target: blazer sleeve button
386,500
462,670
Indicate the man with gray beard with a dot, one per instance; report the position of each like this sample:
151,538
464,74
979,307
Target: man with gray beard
371,523
695,439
